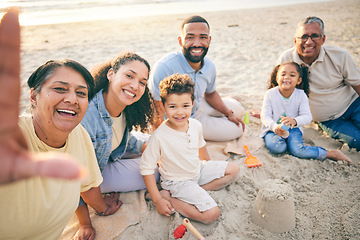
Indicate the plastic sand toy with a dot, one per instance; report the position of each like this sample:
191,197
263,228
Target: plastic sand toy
180,231
251,161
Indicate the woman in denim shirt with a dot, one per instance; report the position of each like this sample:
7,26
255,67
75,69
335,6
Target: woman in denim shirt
122,103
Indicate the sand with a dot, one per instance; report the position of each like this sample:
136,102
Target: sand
245,45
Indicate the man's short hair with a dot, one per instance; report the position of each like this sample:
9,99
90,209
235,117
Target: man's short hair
194,19
310,20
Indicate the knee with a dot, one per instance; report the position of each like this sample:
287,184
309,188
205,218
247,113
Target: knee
210,215
354,143
277,148
233,169
275,143
223,132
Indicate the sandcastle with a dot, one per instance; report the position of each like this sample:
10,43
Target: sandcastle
274,207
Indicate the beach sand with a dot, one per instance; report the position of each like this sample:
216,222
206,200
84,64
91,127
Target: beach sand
245,45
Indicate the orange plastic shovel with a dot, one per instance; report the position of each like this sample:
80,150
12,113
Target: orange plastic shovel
251,161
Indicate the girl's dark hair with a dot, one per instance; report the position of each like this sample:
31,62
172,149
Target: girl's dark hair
45,71
303,73
176,84
138,115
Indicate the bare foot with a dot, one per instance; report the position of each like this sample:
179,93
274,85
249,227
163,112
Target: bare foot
164,193
147,196
337,155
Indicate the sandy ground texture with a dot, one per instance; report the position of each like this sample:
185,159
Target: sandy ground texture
245,45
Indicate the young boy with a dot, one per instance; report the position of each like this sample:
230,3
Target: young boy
178,147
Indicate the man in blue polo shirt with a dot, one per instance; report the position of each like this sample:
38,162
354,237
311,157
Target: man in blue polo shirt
221,118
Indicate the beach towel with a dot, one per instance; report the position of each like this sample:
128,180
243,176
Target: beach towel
110,227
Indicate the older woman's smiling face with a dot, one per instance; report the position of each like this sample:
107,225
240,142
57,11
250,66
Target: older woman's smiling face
61,103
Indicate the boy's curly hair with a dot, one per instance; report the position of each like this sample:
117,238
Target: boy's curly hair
176,84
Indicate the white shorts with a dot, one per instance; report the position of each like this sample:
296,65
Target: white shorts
190,191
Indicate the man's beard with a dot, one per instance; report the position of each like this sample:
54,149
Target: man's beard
194,59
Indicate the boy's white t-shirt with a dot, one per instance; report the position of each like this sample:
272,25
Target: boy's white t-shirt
177,153
39,208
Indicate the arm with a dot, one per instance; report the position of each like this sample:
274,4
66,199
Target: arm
136,143
203,153
160,71
86,230
159,114
357,89
163,206
350,71
147,165
267,113
304,113
143,147
217,103
16,162
103,207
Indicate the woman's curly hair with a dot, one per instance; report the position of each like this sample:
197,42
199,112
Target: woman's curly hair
139,115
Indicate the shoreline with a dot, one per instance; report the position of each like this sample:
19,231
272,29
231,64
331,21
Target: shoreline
115,11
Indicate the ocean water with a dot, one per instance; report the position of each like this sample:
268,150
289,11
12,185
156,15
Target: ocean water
36,12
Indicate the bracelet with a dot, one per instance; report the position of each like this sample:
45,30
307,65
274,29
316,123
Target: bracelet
104,212
228,113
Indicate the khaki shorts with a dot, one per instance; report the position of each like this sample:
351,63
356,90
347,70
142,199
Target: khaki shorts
190,191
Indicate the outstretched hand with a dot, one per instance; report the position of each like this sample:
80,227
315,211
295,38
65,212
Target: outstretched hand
16,162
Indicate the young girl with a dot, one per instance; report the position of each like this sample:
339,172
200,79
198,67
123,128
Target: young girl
122,103
286,106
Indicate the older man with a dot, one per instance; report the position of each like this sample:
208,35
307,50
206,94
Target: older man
221,120
334,79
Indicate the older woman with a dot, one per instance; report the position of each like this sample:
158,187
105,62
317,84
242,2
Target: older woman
16,164
39,208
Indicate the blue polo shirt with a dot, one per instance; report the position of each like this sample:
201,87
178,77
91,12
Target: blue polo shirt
176,62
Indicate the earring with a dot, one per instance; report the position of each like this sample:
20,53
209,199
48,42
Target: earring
33,104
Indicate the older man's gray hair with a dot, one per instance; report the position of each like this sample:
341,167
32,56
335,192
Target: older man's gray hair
310,20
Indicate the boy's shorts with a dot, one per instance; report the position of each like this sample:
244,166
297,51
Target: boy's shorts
190,191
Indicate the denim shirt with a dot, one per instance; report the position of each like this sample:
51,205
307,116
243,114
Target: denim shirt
98,123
